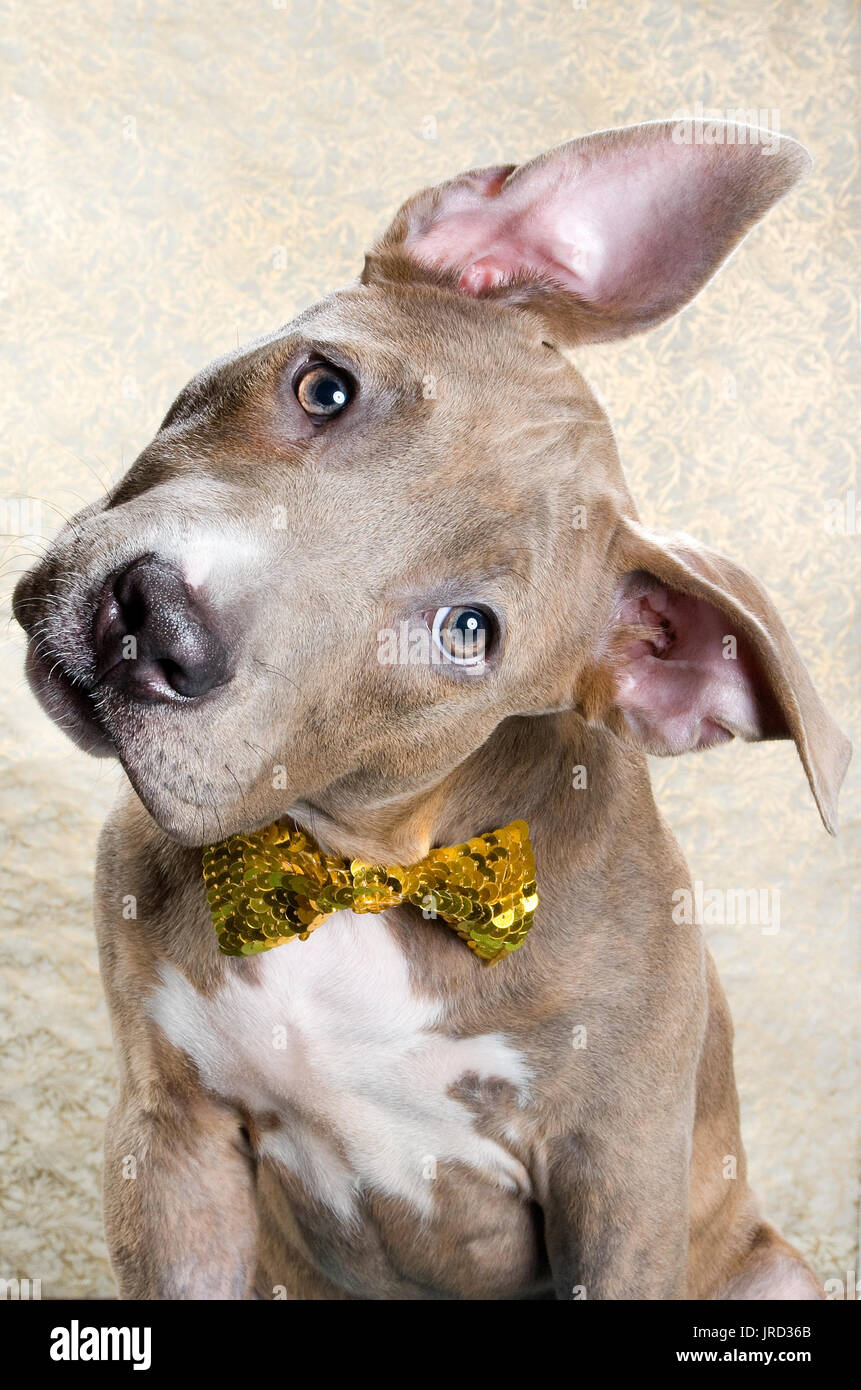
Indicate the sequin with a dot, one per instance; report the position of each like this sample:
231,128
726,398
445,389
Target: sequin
273,886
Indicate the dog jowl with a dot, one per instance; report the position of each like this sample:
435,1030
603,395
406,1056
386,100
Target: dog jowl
336,623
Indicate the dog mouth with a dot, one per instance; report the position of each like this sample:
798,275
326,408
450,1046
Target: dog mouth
66,701
81,708
75,669
105,649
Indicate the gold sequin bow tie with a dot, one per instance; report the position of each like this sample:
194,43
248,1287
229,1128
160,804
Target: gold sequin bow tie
267,888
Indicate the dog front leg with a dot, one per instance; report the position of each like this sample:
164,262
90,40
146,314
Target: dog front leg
616,1222
180,1215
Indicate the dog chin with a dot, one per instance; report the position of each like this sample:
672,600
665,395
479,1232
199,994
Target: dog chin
179,820
187,822
70,708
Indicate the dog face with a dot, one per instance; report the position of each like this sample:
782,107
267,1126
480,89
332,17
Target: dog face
317,572
356,546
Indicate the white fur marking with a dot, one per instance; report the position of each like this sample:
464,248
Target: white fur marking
358,1053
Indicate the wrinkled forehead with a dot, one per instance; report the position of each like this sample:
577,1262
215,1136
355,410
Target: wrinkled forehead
460,461
415,325
414,340
468,428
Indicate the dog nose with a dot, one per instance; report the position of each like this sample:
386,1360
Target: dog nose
153,638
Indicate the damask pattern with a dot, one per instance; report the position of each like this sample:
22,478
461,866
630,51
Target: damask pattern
178,177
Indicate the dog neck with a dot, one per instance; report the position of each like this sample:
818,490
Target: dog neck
555,772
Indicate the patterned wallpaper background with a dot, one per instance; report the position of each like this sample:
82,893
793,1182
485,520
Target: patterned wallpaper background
180,176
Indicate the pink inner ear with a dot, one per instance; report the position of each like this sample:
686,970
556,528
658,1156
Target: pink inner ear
683,684
633,224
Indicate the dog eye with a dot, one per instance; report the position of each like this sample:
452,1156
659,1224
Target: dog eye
322,390
464,635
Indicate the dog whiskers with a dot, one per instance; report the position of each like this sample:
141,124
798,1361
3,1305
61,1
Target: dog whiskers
277,672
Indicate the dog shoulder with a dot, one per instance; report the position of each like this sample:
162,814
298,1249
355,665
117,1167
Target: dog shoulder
150,903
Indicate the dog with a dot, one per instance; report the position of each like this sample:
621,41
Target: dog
379,577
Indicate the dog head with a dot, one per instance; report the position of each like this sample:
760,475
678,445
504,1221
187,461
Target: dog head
357,545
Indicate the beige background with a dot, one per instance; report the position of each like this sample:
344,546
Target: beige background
181,176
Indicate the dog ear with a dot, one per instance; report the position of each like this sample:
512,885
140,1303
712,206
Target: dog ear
695,653
603,236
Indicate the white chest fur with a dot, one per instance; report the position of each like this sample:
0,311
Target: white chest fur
334,1037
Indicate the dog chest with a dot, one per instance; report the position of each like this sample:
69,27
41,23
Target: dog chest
360,1084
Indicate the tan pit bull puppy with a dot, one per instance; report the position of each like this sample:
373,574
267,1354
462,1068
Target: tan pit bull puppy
380,572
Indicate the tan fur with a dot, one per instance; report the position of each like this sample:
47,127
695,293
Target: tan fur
472,488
